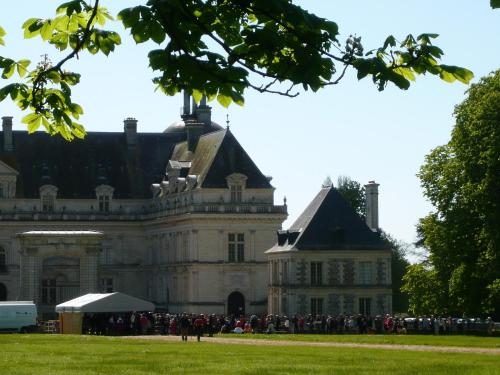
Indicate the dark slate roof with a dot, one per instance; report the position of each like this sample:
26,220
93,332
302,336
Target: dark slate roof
77,168
329,223
217,156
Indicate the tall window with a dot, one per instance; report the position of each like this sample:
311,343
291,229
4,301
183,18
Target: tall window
316,273
365,273
107,285
48,195
49,291
104,203
316,306
3,260
236,247
236,183
104,194
48,203
236,193
2,191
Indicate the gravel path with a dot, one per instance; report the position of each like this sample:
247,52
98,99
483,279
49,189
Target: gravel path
419,348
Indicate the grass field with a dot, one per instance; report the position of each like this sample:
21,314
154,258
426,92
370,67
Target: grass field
55,355
465,341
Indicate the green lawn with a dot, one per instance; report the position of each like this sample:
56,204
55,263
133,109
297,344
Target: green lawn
470,341
55,354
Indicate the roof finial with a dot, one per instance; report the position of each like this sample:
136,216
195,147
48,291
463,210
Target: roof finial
284,200
227,121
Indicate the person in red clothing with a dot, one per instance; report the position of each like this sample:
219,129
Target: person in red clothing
199,325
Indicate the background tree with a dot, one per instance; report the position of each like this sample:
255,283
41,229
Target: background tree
214,48
462,181
355,194
424,290
399,266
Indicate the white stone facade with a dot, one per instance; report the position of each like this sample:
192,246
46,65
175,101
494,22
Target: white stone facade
341,288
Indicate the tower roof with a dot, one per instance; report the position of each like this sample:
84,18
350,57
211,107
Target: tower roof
329,223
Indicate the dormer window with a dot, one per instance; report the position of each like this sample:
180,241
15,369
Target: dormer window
104,195
236,183
236,193
48,194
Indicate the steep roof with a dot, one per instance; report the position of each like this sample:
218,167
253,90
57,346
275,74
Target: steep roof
217,156
77,168
328,223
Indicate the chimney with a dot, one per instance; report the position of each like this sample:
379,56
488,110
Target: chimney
185,108
204,113
130,128
7,133
371,191
194,130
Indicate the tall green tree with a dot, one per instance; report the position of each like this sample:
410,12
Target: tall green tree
462,181
216,48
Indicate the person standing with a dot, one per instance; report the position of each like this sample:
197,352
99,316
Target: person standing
199,325
184,325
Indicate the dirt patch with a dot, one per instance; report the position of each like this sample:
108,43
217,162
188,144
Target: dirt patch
418,348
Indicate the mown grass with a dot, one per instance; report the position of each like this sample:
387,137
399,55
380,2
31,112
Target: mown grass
458,340
57,355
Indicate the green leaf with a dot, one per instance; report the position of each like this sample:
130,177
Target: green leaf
32,27
5,91
197,95
78,130
390,41
405,72
224,100
157,32
461,74
2,34
9,70
33,120
46,30
22,67
495,4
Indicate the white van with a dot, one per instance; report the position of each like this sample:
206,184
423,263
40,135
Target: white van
17,316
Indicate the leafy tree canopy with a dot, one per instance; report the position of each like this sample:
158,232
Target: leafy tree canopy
462,181
216,48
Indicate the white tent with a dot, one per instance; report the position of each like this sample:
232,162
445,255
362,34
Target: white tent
104,303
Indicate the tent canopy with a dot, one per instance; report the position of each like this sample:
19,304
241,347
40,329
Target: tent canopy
105,303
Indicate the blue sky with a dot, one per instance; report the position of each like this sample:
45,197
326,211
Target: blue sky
349,129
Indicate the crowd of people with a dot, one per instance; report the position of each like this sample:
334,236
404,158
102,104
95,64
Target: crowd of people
185,325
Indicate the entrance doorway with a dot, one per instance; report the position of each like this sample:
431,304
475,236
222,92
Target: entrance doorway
236,304
3,292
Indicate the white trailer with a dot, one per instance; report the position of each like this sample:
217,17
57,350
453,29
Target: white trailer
17,316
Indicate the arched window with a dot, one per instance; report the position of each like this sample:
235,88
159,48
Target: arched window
3,292
3,260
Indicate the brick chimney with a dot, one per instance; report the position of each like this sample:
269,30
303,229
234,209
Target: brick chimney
7,133
371,191
130,128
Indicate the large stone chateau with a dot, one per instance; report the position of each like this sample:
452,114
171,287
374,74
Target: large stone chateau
182,218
